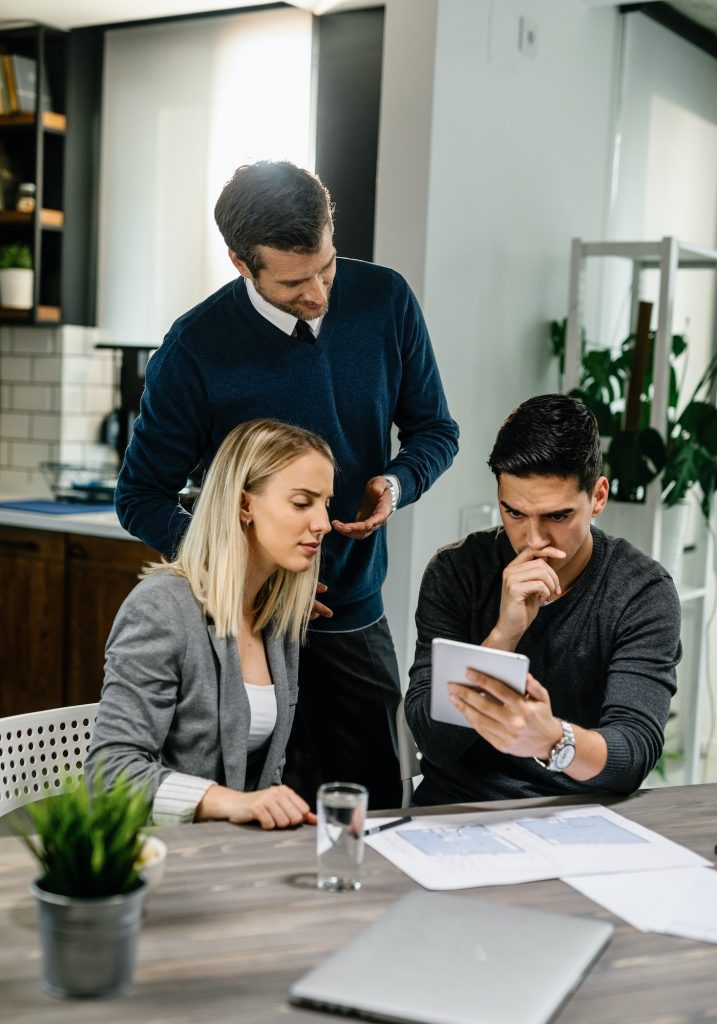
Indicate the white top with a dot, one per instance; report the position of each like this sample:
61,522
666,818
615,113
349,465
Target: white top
263,714
286,322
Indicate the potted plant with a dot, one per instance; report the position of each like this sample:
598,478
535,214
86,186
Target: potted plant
617,386
90,892
684,457
16,276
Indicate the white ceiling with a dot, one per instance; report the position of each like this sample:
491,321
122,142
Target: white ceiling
76,13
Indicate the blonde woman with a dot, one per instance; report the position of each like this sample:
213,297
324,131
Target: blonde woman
201,665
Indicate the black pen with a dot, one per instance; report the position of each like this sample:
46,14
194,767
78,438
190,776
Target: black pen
386,824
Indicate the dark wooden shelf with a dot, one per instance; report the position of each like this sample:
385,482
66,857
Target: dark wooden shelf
48,218
14,217
51,218
57,150
42,315
49,119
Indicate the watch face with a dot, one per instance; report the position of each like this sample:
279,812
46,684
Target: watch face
564,756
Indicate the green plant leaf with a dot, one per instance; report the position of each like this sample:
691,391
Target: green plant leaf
15,256
88,841
634,460
699,420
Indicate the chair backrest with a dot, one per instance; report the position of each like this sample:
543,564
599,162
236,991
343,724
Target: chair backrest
409,758
43,753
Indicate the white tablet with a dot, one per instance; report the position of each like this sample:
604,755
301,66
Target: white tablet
450,660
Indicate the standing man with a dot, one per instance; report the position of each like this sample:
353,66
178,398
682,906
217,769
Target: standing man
339,347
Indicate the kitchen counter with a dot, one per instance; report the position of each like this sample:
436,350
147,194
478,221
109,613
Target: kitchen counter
91,524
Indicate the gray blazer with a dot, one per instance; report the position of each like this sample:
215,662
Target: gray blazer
173,698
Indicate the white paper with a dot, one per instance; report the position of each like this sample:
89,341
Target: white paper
696,916
503,847
680,901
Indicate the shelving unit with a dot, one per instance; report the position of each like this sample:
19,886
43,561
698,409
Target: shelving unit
56,150
668,256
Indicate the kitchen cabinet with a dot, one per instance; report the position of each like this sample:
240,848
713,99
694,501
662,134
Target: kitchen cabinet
32,567
99,574
61,594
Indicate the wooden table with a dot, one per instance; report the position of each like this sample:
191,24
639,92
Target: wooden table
237,919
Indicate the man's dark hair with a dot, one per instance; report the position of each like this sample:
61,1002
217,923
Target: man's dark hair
275,204
549,435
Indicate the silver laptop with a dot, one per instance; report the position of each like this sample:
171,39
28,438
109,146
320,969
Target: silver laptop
435,958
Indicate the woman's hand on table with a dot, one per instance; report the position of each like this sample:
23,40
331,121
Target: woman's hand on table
275,807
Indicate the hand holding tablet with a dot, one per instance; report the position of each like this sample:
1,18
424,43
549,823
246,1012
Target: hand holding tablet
451,662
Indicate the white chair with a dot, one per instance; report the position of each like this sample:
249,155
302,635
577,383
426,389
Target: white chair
409,758
43,753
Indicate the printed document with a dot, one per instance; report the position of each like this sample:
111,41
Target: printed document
503,847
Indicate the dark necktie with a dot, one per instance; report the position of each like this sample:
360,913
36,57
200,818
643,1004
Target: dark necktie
302,332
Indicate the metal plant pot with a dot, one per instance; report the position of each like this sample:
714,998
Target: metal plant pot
88,945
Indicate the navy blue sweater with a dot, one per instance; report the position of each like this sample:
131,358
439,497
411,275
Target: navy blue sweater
222,363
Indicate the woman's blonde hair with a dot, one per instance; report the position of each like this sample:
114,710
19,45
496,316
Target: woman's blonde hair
213,552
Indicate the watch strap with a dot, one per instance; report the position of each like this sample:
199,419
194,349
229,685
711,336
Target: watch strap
566,740
395,489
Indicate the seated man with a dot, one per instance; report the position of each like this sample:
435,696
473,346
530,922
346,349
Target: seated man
599,620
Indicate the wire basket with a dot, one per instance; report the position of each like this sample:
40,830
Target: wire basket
75,482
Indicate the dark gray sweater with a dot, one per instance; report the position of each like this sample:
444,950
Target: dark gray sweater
606,652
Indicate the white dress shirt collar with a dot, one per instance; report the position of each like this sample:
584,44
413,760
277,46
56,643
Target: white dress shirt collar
286,322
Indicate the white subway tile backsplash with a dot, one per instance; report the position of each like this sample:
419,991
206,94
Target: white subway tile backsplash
20,482
101,455
72,452
71,398
43,427
86,453
47,369
15,425
102,371
78,341
16,368
29,454
76,370
31,398
99,400
79,427
55,389
36,341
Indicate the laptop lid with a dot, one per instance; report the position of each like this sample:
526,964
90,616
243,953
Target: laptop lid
435,958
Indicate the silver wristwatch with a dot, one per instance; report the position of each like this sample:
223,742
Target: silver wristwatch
392,484
563,753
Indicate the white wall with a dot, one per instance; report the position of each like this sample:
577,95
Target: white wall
518,163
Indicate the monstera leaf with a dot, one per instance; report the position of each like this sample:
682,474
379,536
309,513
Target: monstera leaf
634,460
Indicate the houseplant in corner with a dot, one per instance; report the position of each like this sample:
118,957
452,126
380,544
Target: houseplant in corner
16,276
89,894
617,387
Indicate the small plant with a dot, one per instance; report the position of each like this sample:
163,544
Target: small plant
15,256
88,841
683,457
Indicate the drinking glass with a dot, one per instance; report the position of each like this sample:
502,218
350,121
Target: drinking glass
341,808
